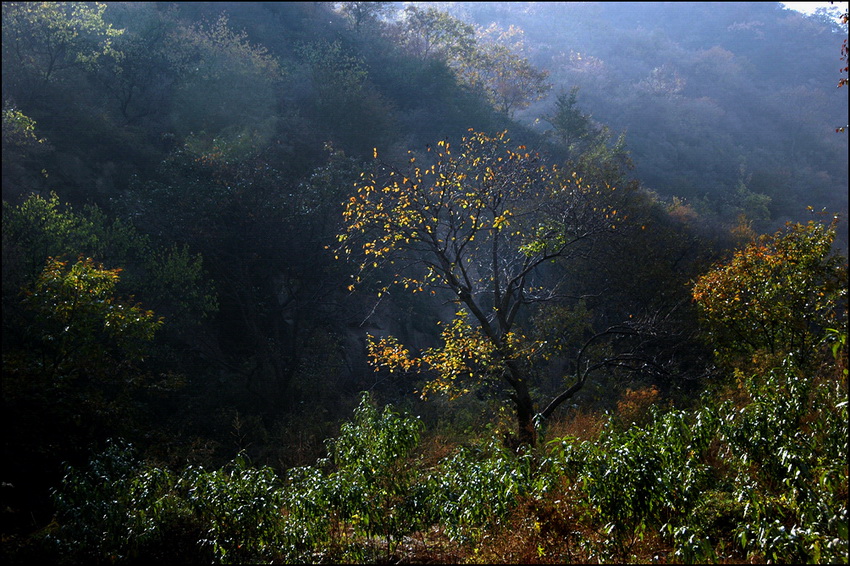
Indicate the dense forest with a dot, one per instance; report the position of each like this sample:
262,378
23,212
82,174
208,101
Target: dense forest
490,282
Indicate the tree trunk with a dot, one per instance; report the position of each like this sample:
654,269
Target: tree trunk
526,435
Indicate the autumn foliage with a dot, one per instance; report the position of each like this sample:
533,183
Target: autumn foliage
477,223
778,295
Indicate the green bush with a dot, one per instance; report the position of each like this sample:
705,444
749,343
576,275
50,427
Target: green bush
240,508
475,488
766,480
789,447
639,481
117,509
372,485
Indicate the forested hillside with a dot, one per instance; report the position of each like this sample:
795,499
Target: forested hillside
423,282
727,105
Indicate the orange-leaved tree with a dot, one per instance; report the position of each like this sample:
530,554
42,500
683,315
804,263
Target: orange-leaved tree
777,295
479,222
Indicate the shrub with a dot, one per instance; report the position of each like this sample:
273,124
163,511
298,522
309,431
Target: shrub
367,489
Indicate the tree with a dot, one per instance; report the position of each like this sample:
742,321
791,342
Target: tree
365,13
482,224
80,324
227,94
590,150
141,82
75,369
262,234
42,39
22,151
76,341
342,103
169,278
663,81
498,67
490,60
19,131
431,32
777,295
570,124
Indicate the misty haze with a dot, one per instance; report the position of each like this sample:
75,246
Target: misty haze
424,282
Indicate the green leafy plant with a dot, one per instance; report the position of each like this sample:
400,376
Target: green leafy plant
475,488
240,509
788,447
119,509
372,485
